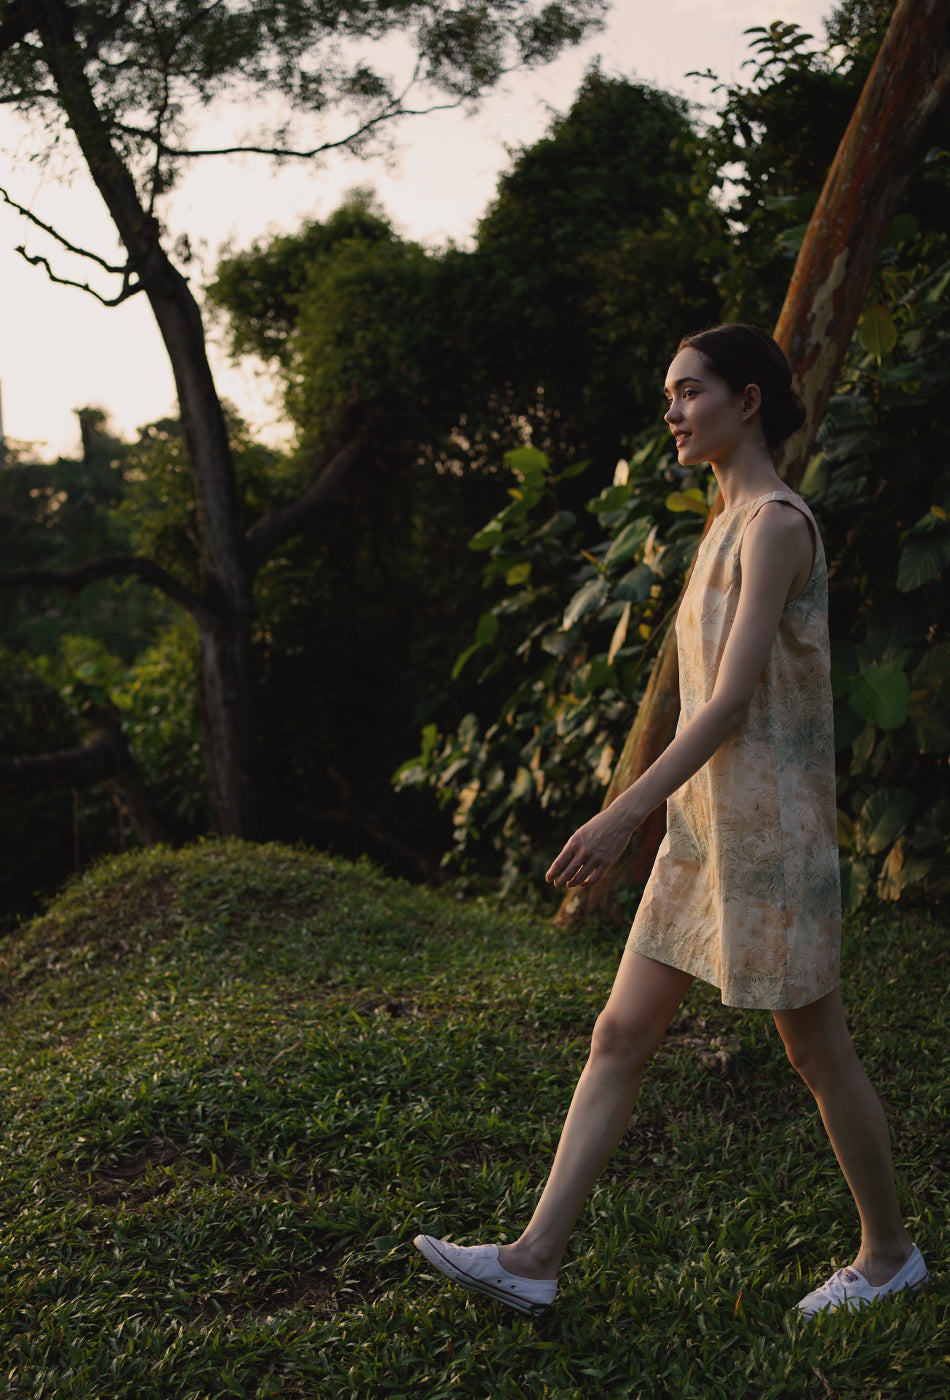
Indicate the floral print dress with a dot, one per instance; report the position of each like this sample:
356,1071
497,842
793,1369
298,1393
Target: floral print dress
745,890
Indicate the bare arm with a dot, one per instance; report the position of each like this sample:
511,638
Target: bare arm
777,553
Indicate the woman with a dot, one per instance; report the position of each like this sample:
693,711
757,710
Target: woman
744,893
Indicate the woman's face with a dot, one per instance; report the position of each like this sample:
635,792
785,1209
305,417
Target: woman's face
704,414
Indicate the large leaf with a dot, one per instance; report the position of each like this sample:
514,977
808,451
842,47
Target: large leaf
692,500
881,694
636,585
931,720
883,817
933,670
877,332
585,600
630,539
900,871
855,878
924,557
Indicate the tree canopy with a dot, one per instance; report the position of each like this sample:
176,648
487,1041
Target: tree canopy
120,84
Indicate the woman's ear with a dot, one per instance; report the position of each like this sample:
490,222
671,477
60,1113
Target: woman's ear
751,400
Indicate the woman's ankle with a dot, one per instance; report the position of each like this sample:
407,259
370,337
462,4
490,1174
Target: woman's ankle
525,1260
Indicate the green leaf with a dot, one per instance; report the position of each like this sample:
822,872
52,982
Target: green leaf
635,586
900,230
527,461
430,738
517,574
877,332
584,601
883,817
575,469
931,721
611,498
487,538
630,539
487,629
924,557
933,670
485,633
620,633
855,878
791,239
693,500
881,694
815,478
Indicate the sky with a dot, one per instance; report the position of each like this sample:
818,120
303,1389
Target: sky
60,350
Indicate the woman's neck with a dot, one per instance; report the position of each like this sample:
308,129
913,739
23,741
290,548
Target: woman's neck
746,476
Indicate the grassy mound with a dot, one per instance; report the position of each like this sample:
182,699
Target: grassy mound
236,1080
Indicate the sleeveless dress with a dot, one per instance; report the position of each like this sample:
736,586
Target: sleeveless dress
745,891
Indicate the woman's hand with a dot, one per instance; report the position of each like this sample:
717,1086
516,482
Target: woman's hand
593,848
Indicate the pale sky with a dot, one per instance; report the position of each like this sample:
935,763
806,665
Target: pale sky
60,350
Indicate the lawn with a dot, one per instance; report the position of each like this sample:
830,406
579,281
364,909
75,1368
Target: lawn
236,1081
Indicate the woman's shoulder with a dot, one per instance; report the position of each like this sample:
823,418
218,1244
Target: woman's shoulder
781,512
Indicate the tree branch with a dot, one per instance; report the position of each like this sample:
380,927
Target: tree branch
394,108
37,260
75,579
64,242
282,524
15,99
104,758
129,288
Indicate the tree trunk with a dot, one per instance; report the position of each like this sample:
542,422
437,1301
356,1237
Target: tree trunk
893,124
224,620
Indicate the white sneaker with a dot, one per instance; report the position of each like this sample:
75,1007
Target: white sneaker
850,1290
476,1266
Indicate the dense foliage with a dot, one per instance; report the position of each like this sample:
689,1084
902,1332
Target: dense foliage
576,603
454,356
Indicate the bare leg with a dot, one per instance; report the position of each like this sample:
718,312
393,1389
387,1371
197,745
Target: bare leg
641,1005
819,1046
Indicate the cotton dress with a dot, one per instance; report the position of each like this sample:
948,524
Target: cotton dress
745,891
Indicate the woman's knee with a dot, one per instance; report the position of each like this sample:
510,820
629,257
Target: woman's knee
816,1039
622,1037
816,1059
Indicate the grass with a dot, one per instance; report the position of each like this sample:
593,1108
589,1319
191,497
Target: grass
235,1081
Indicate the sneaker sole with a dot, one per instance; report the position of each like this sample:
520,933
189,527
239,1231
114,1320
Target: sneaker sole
477,1285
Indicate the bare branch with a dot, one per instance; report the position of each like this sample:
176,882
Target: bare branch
37,260
61,240
75,579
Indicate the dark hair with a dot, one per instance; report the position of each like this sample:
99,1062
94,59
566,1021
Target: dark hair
744,355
